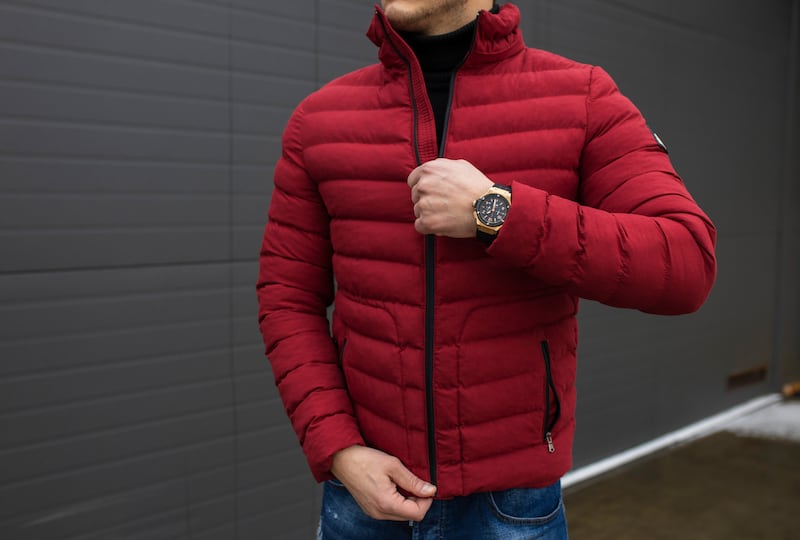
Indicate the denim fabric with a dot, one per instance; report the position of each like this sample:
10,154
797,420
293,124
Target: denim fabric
514,514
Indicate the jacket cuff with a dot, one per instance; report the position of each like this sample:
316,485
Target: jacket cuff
523,230
326,438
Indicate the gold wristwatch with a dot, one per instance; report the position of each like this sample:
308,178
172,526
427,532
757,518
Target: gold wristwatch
490,212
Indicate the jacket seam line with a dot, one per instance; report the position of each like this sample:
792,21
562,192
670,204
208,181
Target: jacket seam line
374,302
586,112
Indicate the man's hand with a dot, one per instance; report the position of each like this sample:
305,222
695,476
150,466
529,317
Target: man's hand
443,191
372,478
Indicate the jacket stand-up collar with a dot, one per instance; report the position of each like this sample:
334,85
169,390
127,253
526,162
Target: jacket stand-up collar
498,37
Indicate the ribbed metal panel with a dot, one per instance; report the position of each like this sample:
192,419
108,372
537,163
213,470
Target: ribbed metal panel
711,80
136,147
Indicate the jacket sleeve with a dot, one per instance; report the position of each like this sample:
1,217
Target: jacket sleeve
635,238
295,286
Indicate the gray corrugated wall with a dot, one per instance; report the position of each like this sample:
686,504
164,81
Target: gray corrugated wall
787,313
137,141
136,146
713,80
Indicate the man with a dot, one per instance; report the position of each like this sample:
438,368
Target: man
464,193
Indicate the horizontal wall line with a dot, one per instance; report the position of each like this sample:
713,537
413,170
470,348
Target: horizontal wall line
222,37
223,70
199,262
693,431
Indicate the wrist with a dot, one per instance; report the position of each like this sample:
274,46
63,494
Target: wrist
343,456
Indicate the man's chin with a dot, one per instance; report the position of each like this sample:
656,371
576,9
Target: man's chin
405,20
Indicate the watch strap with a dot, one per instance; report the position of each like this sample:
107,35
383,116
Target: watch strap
485,237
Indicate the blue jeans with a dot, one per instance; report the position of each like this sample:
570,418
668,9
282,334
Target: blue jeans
514,514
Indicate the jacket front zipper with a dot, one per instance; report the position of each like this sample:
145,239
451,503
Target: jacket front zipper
430,252
549,422
430,290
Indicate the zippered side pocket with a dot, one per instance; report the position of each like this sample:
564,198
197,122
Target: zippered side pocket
549,420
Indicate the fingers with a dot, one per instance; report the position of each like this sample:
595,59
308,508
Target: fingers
426,222
409,482
391,504
415,176
399,507
373,477
408,509
427,211
427,179
429,167
429,203
443,192
428,170
414,182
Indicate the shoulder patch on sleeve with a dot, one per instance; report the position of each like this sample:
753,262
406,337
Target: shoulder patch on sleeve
659,141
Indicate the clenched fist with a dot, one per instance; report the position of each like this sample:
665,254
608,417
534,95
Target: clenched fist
443,191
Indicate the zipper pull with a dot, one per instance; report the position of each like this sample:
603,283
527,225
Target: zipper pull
548,437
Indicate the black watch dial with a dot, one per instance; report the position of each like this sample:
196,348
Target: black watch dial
492,209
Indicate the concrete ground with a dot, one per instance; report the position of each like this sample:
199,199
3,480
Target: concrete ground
740,483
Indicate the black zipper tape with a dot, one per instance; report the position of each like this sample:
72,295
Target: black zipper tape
549,421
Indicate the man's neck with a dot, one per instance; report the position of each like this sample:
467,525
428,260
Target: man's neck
441,52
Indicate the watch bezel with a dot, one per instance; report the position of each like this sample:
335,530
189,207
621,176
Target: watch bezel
488,198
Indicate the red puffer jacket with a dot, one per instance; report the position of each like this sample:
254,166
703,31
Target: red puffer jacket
458,359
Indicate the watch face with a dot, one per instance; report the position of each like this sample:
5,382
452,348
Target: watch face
492,209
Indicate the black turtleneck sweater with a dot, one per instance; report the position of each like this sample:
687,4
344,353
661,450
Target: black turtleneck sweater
440,57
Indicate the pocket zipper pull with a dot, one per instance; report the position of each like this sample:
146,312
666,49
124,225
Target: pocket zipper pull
548,437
